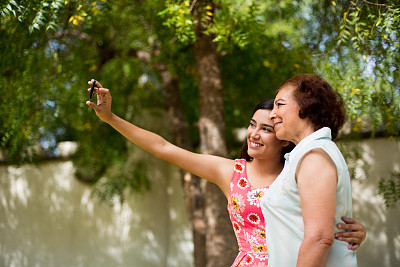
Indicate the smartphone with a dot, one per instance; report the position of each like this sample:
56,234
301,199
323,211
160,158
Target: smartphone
91,91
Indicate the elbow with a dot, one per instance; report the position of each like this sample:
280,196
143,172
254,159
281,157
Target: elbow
325,243
162,151
322,241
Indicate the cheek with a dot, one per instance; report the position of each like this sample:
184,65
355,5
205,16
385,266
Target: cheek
278,144
248,133
271,140
281,112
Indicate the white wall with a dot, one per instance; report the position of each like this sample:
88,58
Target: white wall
382,246
47,217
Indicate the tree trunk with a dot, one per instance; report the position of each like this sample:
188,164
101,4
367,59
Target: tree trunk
221,245
220,248
191,184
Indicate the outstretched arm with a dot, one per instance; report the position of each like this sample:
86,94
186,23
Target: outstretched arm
212,168
356,234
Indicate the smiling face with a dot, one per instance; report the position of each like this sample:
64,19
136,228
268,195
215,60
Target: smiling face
261,140
285,116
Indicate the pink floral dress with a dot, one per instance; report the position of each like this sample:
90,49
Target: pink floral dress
244,206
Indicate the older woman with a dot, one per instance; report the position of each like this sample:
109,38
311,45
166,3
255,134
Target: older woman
309,198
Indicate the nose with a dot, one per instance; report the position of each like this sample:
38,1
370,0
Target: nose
254,134
272,114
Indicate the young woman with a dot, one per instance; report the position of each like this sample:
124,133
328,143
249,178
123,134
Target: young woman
243,181
313,192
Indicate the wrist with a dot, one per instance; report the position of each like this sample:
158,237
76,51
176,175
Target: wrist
110,118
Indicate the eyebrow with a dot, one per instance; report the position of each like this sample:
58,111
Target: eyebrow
280,99
264,124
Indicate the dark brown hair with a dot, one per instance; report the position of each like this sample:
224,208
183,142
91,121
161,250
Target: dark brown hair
267,104
318,101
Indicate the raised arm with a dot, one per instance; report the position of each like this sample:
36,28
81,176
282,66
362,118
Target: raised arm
215,169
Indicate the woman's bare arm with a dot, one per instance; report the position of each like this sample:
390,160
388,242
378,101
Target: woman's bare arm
215,169
316,178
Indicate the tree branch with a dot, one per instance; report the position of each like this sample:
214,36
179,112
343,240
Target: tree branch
192,6
76,34
376,4
142,56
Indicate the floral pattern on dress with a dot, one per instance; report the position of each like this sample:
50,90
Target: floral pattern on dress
239,167
237,205
244,208
258,246
260,251
236,227
259,233
253,218
248,259
237,202
243,184
254,196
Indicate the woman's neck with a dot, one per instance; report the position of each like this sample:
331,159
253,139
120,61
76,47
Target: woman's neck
263,172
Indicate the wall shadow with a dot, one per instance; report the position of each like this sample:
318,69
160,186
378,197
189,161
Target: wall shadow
382,246
49,219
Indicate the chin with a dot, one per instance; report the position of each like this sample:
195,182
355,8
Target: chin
251,154
280,135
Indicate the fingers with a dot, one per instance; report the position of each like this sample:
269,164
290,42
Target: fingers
354,233
98,88
349,239
349,234
348,220
352,227
103,94
92,105
350,224
354,242
353,247
96,85
102,91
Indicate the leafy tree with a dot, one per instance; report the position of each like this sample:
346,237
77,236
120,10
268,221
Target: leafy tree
389,188
361,38
181,56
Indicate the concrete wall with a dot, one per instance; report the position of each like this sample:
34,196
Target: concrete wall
47,217
382,246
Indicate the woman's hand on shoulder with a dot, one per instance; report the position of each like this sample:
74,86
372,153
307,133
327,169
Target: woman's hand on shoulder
103,106
355,235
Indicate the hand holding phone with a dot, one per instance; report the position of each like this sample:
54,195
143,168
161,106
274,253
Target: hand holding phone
91,91
103,105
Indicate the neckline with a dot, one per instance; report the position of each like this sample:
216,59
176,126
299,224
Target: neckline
323,133
247,179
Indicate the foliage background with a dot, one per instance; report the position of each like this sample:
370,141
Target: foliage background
51,48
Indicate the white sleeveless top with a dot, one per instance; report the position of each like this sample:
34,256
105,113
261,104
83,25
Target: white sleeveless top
282,209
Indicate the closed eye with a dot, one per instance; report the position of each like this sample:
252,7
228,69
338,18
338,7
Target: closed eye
268,128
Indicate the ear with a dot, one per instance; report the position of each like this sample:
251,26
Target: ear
285,143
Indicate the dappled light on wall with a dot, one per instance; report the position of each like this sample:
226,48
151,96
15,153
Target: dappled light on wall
50,219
